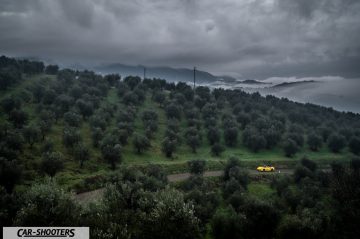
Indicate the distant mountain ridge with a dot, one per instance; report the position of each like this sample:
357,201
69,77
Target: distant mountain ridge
167,73
250,82
290,84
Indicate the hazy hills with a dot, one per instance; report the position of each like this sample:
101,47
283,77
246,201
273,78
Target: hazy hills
292,84
168,73
336,92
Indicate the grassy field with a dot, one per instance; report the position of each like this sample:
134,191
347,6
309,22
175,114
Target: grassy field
261,190
96,167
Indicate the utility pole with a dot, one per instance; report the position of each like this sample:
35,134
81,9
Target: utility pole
144,73
194,76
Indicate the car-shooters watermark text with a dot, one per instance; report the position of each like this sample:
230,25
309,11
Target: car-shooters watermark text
46,232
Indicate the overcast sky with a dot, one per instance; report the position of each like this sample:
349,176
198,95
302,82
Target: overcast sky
253,38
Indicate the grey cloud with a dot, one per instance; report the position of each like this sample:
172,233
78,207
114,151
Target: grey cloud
254,38
14,6
304,8
80,12
307,8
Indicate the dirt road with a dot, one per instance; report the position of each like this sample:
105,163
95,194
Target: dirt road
97,194
89,196
183,176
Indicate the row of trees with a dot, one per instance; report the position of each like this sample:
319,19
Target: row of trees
219,117
72,98
164,214
321,205
311,203
264,123
11,70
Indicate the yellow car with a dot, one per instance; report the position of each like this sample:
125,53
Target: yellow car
265,169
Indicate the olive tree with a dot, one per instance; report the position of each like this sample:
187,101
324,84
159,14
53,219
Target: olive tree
10,174
197,166
314,141
141,143
290,147
31,134
193,138
111,150
336,142
52,162
82,154
354,145
169,146
213,135
217,149
171,217
71,137
47,205
230,136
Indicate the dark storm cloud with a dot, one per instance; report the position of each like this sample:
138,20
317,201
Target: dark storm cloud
307,8
256,38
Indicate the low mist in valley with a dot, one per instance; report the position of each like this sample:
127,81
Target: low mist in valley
336,92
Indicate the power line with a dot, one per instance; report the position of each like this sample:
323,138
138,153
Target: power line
194,76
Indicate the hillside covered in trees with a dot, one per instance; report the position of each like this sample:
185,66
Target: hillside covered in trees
65,130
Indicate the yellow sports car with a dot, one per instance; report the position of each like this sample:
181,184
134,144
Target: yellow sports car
265,169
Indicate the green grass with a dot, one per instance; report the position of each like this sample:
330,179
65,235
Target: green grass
261,190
